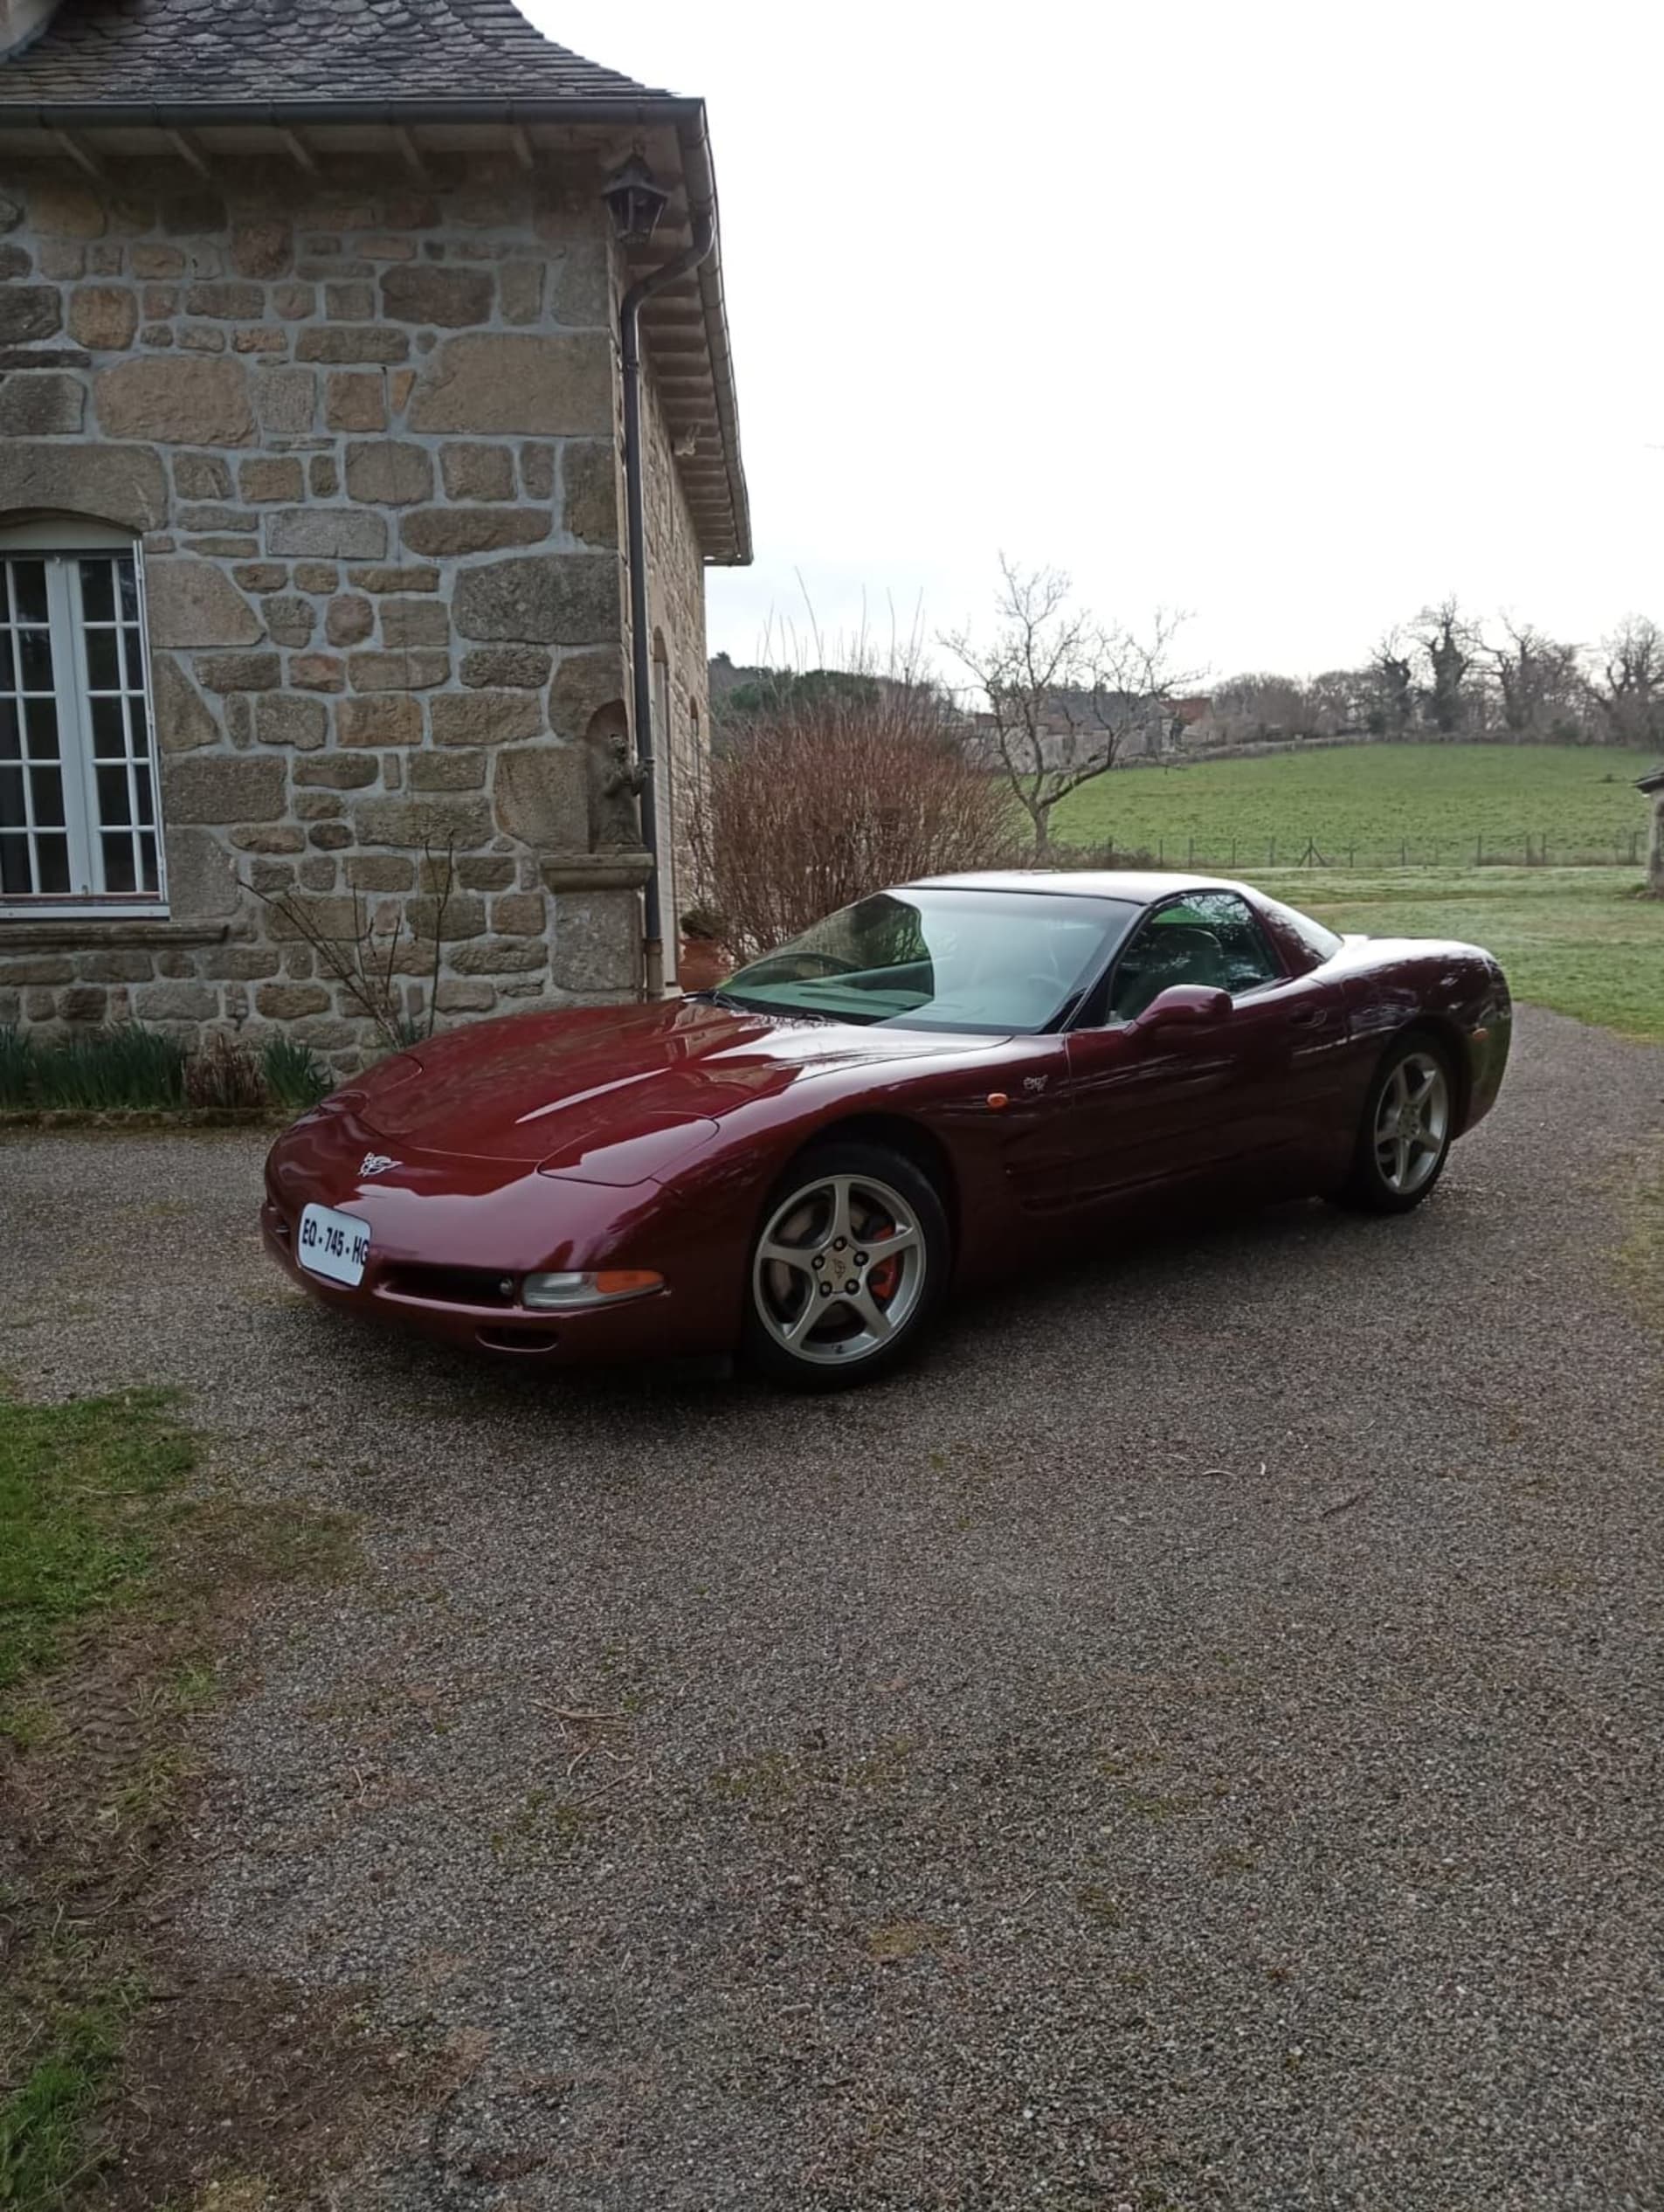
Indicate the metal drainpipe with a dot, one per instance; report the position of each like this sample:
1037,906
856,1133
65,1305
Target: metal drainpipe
653,927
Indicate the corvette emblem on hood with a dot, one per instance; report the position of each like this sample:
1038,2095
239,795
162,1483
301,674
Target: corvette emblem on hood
376,1162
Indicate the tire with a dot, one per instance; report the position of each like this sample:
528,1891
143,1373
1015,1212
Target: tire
830,1211
1404,1135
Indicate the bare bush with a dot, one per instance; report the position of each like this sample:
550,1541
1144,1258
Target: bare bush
368,962
836,793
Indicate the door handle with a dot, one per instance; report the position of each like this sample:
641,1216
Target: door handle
1308,1017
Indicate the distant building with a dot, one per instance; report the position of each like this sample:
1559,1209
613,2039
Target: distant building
1653,786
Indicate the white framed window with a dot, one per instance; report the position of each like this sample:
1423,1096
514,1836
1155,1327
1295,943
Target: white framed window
80,827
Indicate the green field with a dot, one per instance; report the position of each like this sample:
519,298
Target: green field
1373,807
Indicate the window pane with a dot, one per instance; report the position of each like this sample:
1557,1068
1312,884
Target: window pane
109,734
97,600
43,728
29,588
35,660
15,879
52,857
118,863
103,669
113,798
99,663
46,788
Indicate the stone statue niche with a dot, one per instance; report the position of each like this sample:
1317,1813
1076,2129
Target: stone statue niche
614,782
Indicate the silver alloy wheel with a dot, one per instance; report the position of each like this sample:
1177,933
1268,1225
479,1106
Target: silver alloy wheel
1411,1123
839,1270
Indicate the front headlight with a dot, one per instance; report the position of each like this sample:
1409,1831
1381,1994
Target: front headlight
557,1293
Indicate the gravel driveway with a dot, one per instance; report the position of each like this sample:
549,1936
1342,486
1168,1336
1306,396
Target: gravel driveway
1194,1744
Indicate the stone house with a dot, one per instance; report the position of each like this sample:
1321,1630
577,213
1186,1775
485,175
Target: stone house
314,573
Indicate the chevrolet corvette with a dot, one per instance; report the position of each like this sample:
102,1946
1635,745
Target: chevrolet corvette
936,1085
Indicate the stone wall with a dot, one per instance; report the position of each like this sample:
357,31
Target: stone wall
367,432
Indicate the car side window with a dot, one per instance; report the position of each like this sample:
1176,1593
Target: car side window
1207,937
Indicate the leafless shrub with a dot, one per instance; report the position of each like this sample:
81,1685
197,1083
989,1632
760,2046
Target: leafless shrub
839,788
366,961
224,1072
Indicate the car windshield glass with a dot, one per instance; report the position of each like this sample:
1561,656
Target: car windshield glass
981,961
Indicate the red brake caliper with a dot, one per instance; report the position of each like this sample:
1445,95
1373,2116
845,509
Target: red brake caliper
882,1279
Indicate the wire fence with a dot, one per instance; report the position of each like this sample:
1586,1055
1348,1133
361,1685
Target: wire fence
1304,850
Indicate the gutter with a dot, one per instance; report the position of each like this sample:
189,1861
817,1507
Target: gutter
702,213
186,114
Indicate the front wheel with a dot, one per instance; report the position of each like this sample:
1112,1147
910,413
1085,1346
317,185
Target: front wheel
847,1270
1403,1140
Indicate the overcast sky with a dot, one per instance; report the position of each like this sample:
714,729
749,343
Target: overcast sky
1294,316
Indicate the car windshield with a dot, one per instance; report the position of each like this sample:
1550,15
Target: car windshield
987,962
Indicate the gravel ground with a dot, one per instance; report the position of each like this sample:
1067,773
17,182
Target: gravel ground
1194,1744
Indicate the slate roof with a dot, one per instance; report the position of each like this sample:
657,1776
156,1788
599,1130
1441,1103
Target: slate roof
128,51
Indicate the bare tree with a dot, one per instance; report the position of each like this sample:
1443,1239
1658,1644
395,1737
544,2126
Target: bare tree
1450,643
1064,692
1340,700
1391,684
1538,682
1628,688
1262,705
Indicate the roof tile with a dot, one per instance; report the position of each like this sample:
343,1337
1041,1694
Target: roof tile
135,50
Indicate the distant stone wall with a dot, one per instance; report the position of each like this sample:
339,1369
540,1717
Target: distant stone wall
368,436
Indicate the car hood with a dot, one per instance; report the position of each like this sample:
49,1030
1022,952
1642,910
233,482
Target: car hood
610,1094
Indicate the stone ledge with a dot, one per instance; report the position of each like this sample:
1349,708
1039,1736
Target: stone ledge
620,871
93,932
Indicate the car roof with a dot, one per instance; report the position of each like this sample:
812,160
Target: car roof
1137,886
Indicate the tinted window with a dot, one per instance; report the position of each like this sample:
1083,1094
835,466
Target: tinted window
1209,938
941,959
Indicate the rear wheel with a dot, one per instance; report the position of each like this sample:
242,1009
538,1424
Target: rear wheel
847,1270
1403,1140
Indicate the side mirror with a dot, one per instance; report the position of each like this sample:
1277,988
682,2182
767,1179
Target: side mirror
1184,1005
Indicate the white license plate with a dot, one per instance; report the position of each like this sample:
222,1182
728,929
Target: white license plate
335,1245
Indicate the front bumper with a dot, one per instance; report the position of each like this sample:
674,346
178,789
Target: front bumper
634,1328
451,1240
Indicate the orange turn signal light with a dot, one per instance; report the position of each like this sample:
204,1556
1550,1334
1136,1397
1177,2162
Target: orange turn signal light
572,1292
997,1099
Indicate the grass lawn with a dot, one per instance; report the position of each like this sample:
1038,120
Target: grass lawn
1580,940
121,1581
1372,805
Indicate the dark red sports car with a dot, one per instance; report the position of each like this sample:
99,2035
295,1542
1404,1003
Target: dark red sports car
939,1084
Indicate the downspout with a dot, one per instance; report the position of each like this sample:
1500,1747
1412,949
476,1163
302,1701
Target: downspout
652,922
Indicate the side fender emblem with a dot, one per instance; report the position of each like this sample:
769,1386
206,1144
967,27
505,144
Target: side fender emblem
376,1162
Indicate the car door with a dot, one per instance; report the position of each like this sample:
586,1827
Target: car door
1152,1104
